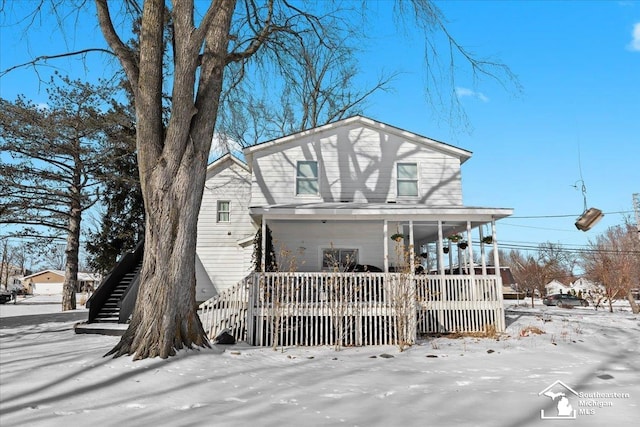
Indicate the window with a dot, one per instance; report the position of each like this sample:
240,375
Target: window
341,259
307,178
223,210
407,179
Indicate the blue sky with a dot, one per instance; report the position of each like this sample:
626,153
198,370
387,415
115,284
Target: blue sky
577,117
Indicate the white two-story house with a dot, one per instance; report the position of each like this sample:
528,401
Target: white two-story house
346,195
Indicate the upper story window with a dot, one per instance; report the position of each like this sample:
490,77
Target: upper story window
307,178
407,179
223,210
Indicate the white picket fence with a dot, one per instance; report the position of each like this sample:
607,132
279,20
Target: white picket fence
269,309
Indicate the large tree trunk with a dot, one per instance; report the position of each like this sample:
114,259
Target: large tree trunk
173,168
165,318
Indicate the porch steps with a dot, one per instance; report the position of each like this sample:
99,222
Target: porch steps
110,311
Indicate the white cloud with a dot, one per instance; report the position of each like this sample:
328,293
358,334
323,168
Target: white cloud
635,40
461,92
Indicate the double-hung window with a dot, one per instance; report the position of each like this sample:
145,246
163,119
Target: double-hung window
407,179
307,178
223,210
339,259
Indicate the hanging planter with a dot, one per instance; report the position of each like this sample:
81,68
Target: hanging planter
487,240
397,237
455,238
445,250
463,245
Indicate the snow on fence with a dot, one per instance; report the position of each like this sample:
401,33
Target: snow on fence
346,309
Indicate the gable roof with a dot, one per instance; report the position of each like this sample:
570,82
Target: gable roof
81,276
462,154
222,162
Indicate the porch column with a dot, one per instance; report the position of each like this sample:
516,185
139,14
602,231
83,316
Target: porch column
482,252
412,249
472,269
385,245
439,247
496,261
263,258
496,258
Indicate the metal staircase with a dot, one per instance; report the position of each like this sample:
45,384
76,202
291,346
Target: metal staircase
112,303
110,311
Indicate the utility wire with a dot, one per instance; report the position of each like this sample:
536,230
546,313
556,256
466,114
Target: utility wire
557,216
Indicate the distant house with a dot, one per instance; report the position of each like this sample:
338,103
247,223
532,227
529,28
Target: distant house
11,276
556,287
50,282
585,286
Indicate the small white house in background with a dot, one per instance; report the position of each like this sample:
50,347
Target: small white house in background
556,287
585,286
580,285
50,282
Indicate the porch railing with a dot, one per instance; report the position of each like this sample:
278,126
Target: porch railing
269,309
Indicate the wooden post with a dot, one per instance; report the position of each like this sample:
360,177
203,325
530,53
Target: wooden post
439,248
412,262
263,260
483,255
470,250
385,245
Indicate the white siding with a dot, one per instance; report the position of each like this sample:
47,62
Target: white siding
222,257
304,241
356,164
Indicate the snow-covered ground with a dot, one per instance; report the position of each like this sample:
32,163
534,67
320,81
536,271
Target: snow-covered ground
50,376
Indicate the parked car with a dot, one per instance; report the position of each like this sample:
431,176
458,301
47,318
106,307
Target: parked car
5,296
564,299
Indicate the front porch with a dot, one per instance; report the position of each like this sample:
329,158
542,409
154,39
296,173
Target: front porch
354,309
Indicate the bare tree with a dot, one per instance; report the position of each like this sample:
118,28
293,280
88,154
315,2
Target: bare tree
533,271
316,86
613,260
48,181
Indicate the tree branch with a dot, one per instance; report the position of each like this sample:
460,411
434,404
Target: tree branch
124,53
45,58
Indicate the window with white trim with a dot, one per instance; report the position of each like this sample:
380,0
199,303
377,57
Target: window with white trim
307,178
339,258
407,179
224,209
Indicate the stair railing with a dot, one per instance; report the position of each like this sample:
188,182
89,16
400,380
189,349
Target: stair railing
100,296
128,301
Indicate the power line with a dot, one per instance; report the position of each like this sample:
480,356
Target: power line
558,216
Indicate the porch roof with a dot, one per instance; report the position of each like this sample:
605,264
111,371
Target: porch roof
378,211
425,218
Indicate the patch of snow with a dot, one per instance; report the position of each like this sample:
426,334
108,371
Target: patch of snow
50,376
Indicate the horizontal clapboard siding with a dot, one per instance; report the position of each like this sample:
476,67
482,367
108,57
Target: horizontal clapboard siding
223,258
356,164
298,245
